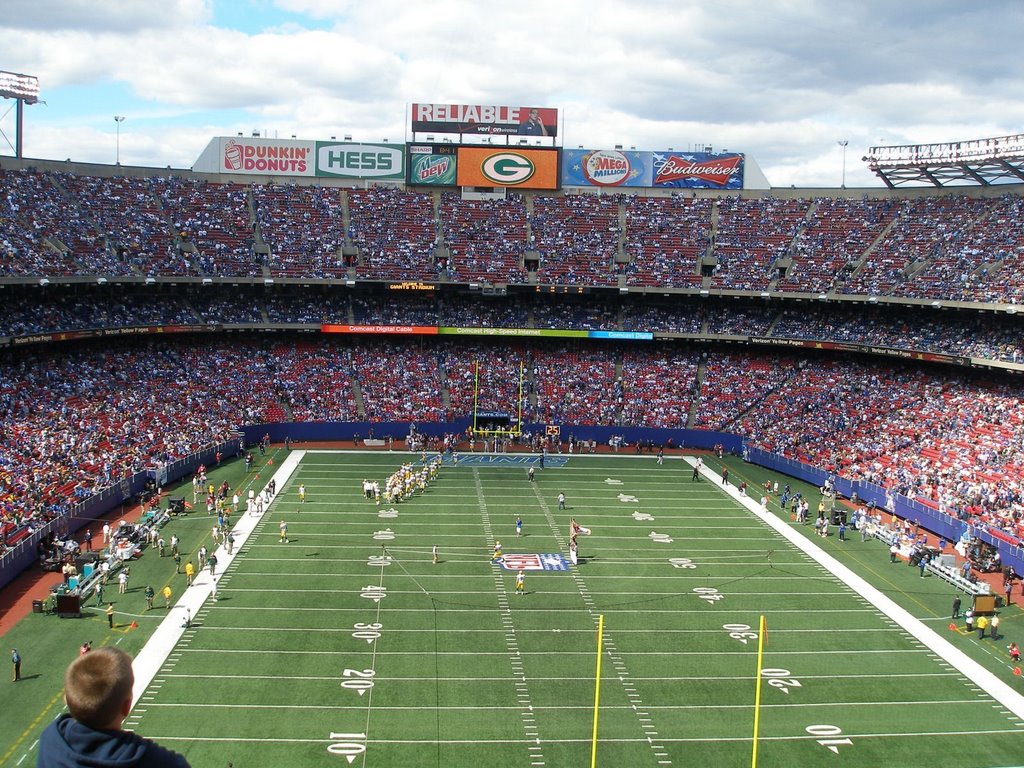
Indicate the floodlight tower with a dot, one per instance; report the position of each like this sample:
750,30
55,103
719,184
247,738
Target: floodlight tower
843,143
118,119
24,89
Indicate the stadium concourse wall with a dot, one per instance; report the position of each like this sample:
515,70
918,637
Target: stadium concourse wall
333,431
25,553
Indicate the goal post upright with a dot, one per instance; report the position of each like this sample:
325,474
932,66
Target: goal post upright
508,420
522,370
597,690
476,392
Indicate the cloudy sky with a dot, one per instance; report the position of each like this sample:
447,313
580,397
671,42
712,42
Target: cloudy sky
781,80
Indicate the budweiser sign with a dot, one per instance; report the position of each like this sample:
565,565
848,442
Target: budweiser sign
698,170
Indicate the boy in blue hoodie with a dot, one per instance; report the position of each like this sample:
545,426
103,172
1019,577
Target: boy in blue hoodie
98,692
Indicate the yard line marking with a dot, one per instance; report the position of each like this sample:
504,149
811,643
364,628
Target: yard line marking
461,631
831,652
549,679
997,688
506,617
640,740
609,641
562,610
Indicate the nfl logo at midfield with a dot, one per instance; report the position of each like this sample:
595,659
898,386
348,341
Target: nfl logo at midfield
543,562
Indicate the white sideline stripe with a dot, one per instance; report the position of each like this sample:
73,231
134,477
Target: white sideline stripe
967,666
160,644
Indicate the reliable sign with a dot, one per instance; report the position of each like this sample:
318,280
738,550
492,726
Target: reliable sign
487,119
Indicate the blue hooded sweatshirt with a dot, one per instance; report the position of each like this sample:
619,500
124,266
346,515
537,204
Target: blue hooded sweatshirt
66,743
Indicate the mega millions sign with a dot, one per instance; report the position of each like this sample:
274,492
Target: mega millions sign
615,168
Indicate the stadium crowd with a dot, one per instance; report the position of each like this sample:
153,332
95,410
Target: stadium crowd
950,246
56,309
75,419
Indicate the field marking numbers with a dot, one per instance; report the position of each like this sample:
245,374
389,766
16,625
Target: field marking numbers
358,680
709,594
367,632
741,632
350,748
374,592
833,745
780,678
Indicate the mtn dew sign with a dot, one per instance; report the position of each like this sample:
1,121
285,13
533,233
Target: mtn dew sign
360,161
432,165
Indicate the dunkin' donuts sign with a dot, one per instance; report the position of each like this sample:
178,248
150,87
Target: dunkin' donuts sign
273,157
267,157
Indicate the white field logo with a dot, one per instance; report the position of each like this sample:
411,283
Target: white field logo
507,168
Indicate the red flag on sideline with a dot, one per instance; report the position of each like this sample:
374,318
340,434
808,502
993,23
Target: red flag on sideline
270,462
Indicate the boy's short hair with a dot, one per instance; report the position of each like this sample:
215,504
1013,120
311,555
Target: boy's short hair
96,686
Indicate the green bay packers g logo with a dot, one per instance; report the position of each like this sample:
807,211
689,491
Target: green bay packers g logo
507,168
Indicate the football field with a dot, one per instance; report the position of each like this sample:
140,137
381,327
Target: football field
348,645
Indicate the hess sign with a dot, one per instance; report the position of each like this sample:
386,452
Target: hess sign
360,161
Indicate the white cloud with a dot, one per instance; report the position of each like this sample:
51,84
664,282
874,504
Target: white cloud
103,16
782,81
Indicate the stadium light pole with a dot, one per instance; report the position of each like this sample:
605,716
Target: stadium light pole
24,89
842,143
118,119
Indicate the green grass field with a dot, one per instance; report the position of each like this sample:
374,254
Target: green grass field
347,645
